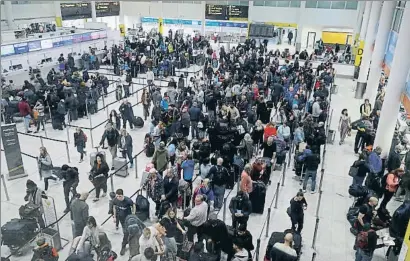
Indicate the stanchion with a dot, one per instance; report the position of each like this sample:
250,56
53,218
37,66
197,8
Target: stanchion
112,183
136,166
91,132
284,173
224,211
5,188
258,246
320,193
183,200
314,256
68,133
267,223
277,195
315,234
45,129
41,141
68,152
290,154
86,109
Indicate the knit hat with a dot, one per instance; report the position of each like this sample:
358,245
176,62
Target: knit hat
30,184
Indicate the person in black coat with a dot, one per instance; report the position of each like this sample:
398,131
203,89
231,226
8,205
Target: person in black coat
99,175
246,237
125,146
70,183
171,188
262,111
240,207
127,114
296,211
394,160
218,239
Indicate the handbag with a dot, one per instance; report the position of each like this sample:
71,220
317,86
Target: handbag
186,245
353,171
288,211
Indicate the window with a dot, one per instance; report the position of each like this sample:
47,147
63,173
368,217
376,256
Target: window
283,3
311,4
259,3
294,3
338,4
324,4
270,3
352,5
397,20
244,3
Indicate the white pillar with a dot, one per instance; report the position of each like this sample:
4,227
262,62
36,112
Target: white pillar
395,86
298,40
365,21
57,11
359,20
367,51
122,19
8,8
93,12
382,37
203,7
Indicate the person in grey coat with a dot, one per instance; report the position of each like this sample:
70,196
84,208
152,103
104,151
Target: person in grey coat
126,146
316,110
79,141
46,167
34,196
79,214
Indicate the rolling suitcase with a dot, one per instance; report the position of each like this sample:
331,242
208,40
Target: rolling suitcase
275,237
142,208
121,167
257,197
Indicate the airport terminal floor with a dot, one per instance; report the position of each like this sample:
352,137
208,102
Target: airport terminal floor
334,241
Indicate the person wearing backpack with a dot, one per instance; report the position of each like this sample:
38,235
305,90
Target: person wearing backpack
80,139
366,243
218,174
44,251
390,183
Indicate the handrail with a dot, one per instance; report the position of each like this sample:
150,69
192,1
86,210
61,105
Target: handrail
38,136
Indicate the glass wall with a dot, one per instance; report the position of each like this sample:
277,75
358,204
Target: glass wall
398,15
276,3
352,5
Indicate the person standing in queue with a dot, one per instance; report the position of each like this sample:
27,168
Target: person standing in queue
99,175
122,207
112,135
79,214
296,210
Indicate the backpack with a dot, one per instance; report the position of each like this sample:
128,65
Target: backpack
128,79
218,173
85,137
362,239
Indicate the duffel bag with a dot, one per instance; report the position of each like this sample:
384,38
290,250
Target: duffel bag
138,122
352,214
357,191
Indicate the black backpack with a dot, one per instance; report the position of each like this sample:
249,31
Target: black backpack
149,150
142,208
128,79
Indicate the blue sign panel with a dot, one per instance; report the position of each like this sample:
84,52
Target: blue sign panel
67,40
20,48
86,37
149,20
226,24
58,42
34,46
391,46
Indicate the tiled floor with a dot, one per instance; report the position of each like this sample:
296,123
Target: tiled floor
334,241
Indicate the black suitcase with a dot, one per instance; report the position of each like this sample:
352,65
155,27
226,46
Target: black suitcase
18,232
275,237
138,122
142,207
149,150
257,197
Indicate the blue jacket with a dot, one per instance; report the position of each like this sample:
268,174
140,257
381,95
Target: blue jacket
188,168
164,104
374,162
207,192
194,113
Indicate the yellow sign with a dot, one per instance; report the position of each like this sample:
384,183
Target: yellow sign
59,22
281,25
405,253
359,54
122,29
161,26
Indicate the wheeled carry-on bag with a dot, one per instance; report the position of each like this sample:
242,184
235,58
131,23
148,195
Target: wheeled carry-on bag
257,197
120,167
93,156
279,237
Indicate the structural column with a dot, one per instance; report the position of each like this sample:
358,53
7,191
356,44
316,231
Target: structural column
367,51
359,20
93,12
203,22
121,19
365,21
298,40
57,10
395,86
382,37
8,8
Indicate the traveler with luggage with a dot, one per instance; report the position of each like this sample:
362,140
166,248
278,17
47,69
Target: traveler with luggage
361,170
60,114
160,158
25,112
127,113
90,239
115,119
205,190
241,254
125,146
240,207
246,181
146,103
44,251
45,167
171,225
34,197
218,175
80,140
366,213
197,217
311,163
394,159
79,214
99,175
217,236
39,109
390,183
366,243
155,188
284,251
344,126
152,238
188,167
122,207
246,237
112,136
194,113
296,210
170,188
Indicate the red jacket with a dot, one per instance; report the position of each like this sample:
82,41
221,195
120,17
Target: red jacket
24,108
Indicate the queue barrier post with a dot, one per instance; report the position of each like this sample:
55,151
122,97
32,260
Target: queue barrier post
267,222
314,256
277,195
136,166
224,211
184,200
315,234
284,173
258,246
5,187
68,133
320,192
45,129
68,152
112,182
41,141
91,132
86,109
290,154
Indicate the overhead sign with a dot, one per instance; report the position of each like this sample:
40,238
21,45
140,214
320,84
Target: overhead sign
226,24
7,50
261,30
226,12
12,151
107,9
359,54
21,48
72,11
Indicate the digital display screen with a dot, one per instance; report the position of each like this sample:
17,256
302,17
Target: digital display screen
67,40
86,37
46,44
107,9
7,50
58,42
216,12
261,30
77,38
238,12
20,48
34,46
72,11
95,35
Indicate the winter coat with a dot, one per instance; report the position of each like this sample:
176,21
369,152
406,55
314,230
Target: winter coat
45,165
241,255
126,143
171,189
79,141
112,137
246,149
156,188
160,159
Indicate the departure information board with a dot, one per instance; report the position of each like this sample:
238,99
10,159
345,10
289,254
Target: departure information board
261,30
226,12
72,11
107,8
